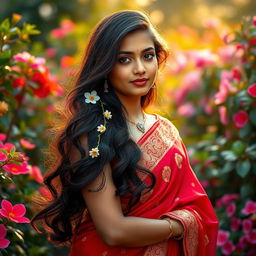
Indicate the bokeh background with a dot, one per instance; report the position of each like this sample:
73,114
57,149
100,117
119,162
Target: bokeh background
207,89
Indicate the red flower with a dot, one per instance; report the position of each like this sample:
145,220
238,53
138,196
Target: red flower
14,212
2,136
16,169
231,209
26,144
247,225
43,89
222,237
45,192
18,82
7,146
228,248
3,156
35,172
254,20
3,242
252,90
67,61
235,224
252,236
223,115
250,207
240,118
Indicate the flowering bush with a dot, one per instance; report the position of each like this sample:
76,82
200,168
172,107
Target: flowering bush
25,82
217,96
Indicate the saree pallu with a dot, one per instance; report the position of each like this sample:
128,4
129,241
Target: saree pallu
177,194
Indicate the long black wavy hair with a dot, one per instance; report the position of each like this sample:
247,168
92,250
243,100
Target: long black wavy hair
62,215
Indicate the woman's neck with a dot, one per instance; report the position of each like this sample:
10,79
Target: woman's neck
132,106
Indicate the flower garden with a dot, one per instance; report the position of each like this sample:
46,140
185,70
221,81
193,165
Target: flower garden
207,89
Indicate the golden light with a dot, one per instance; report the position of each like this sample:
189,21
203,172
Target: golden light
144,3
156,17
241,2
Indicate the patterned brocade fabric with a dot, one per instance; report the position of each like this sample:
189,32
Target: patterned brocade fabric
177,194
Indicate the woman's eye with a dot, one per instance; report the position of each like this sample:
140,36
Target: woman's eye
149,56
124,60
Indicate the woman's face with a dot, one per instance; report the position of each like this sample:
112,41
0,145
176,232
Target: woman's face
136,61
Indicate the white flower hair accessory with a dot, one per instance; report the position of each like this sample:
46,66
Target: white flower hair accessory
93,98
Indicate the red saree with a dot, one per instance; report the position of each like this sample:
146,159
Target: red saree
177,194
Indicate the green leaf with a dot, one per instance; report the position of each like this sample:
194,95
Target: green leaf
238,147
253,116
5,56
244,131
246,191
228,155
5,25
229,166
242,168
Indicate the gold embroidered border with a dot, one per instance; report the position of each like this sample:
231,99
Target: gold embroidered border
190,240
158,143
159,249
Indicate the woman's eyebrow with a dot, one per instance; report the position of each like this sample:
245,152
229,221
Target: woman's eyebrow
145,50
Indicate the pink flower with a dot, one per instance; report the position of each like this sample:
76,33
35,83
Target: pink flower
177,65
227,199
190,82
24,57
186,110
26,144
16,169
252,90
247,225
254,20
252,236
3,242
223,115
7,146
250,207
227,52
35,172
3,156
236,73
67,25
231,209
222,237
39,64
211,23
244,241
225,89
50,108
228,248
235,224
2,136
203,58
240,118
13,212
45,192
50,52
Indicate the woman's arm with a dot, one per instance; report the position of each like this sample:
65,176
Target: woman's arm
114,228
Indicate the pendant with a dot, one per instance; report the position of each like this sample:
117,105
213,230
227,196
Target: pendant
140,127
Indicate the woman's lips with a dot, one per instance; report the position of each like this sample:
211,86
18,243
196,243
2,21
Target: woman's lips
140,82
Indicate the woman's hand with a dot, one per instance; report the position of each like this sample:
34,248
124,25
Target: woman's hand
176,229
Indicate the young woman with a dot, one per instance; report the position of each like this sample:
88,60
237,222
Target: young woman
123,184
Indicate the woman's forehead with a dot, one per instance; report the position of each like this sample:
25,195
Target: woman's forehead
136,41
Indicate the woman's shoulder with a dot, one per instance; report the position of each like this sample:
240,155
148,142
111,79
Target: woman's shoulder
167,124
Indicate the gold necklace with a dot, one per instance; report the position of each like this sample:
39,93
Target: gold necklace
139,126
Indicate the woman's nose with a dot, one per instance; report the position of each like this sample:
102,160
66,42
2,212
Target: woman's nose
139,67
